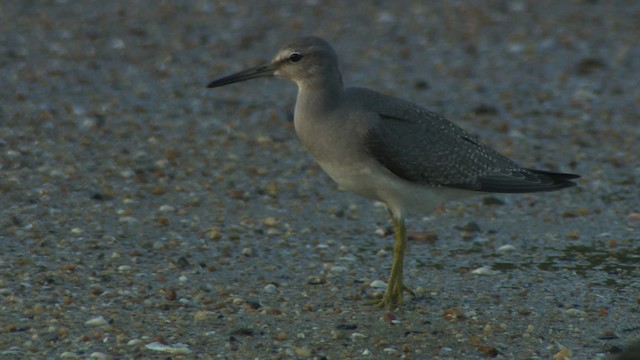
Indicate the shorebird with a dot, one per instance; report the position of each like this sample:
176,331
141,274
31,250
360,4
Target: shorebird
388,149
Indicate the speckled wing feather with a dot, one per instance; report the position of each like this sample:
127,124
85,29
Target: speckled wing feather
424,148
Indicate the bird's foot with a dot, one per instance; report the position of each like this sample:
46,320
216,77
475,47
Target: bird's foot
392,297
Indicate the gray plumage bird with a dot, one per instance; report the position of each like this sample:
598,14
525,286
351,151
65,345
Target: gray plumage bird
388,149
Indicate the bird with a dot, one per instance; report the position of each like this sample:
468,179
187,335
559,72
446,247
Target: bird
388,149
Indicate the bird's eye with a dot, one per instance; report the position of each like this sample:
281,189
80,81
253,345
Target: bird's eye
295,57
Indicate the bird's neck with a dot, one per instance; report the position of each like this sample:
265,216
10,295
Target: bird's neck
321,94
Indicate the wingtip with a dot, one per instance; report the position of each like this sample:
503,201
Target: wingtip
555,175
558,180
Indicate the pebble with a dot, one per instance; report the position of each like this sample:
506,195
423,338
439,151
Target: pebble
390,351
378,284
338,269
270,221
96,321
481,240
485,270
506,248
270,289
173,349
575,313
128,220
166,208
302,351
563,354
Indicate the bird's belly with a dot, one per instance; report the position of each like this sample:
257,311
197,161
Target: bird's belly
376,183
357,179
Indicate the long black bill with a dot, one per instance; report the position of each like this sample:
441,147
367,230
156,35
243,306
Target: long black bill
266,70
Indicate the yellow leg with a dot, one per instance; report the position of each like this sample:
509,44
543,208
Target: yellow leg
395,287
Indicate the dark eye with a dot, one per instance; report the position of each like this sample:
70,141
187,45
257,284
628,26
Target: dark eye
295,57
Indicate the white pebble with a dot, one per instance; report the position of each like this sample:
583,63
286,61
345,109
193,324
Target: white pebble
480,240
390,351
575,313
127,174
378,284
338,269
485,270
98,355
117,44
175,349
270,288
96,321
134,342
128,220
166,208
506,248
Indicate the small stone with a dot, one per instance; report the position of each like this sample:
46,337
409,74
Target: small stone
338,269
485,270
316,280
390,351
302,351
270,221
214,233
471,226
96,321
166,208
134,342
270,289
175,349
378,284
453,313
170,294
128,220
506,248
422,236
346,326
563,354
575,313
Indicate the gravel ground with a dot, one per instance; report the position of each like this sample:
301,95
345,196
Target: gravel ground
143,216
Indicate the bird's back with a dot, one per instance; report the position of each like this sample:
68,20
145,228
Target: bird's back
424,148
